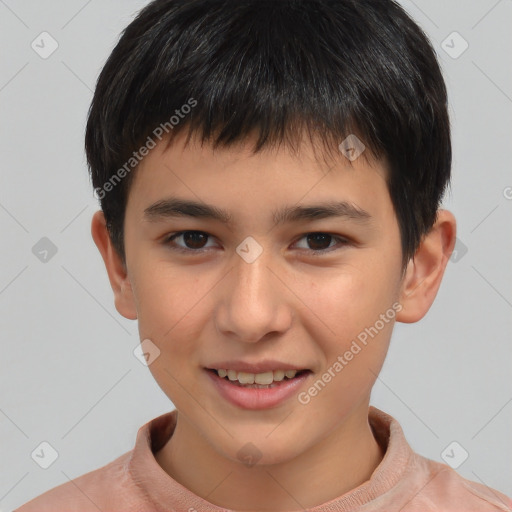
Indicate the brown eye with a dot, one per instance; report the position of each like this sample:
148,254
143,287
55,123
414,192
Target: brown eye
318,241
192,241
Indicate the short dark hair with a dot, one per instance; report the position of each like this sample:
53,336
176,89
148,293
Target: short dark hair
277,69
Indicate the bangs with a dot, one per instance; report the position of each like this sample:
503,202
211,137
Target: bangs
256,69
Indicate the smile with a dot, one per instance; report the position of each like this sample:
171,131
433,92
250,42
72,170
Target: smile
257,391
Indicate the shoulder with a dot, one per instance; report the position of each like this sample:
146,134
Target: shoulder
413,483
445,489
123,484
95,490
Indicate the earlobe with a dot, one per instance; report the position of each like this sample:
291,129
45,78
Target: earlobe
117,273
425,270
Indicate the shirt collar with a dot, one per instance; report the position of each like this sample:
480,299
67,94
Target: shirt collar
164,492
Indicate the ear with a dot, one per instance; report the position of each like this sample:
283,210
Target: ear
116,269
425,270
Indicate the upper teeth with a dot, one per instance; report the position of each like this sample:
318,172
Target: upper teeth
257,378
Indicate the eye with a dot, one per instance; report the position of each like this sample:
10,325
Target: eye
321,242
317,243
194,241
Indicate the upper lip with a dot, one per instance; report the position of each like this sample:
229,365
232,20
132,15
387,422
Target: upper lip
259,367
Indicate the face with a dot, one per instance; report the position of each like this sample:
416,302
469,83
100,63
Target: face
273,280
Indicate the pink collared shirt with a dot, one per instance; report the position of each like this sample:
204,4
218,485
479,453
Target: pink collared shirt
403,482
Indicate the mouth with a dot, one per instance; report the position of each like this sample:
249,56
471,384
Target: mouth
257,391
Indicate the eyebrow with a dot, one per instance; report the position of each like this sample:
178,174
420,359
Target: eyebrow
175,207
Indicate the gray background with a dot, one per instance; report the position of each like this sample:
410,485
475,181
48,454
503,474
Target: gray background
68,375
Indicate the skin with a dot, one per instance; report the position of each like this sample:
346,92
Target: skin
288,305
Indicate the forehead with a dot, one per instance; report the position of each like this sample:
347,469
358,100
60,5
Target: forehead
236,175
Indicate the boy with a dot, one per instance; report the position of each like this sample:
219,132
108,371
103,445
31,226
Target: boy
270,176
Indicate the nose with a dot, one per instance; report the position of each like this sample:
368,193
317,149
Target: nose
254,301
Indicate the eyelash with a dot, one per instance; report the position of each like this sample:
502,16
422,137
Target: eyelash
168,241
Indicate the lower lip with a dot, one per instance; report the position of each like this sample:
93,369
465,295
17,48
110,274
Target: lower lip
258,398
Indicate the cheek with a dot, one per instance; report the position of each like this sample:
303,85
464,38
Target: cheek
167,303
169,314
345,301
345,322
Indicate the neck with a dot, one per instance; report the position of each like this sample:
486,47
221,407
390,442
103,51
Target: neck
313,477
